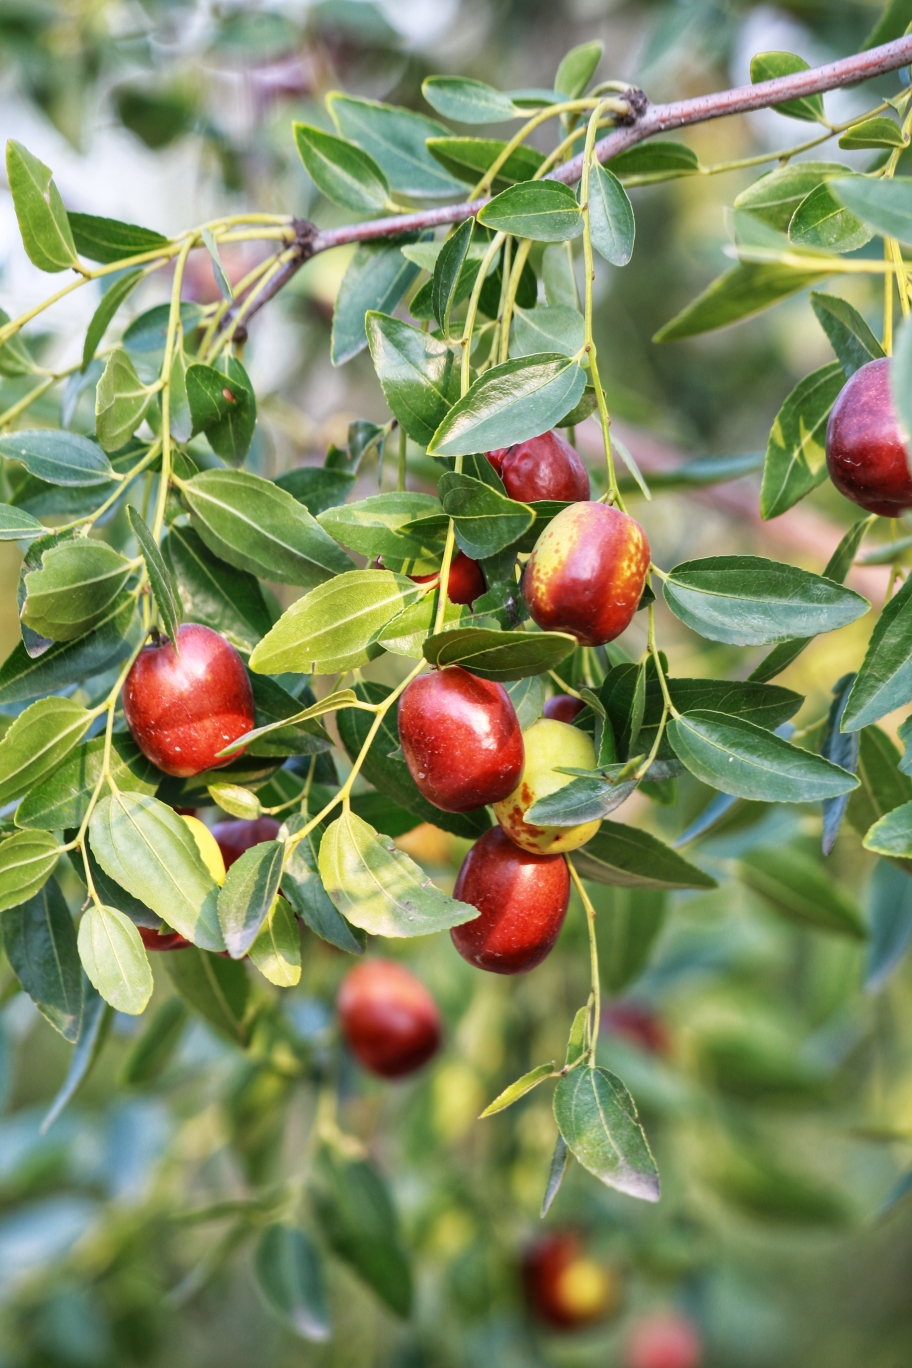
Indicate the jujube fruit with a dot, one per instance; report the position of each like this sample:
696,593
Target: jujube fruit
236,835
465,584
522,899
866,453
587,573
389,1020
461,739
566,1289
183,708
563,708
666,1340
639,1024
545,467
548,744
162,940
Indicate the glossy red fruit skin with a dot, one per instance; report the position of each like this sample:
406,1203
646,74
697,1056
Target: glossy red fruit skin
545,467
154,940
389,1020
522,899
466,582
865,451
587,572
461,739
664,1341
236,835
563,708
183,709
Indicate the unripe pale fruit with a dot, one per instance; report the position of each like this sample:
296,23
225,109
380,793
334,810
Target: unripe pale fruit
545,467
566,1289
563,708
866,453
182,709
522,899
587,573
236,835
548,744
461,739
390,1021
664,1341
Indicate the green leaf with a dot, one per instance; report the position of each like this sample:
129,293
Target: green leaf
213,593
447,271
885,679
114,959
156,1047
359,1221
206,396
469,159
744,290
376,280
767,66
236,800
625,857
276,952
892,23
247,895
485,520
597,1118
111,301
340,171
740,758
289,1278
231,435
108,240
890,903
510,403
76,584
395,138
330,629
821,222
60,458
255,526
43,223
147,335
166,596
885,205
150,851
40,943
406,634
406,529
546,211
611,220
93,1032
18,526
519,1089
303,887
577,69
655,161
23,677
38,741
559,1161
215,987
586,798
849,335
378,887
892,834
15,359
218,270
798,888
121,401
547,328
884,787
527,696
283,727
417,373
499,655
796,452
468,102
628,924
879,131
747,600
775,196
316,487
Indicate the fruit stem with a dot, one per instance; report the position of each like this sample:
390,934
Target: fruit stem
653,650
543,115
519,262
174,328
596,998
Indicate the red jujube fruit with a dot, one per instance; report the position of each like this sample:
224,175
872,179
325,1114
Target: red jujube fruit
563,708
389,1020
236,835
564,1287
545,467
461,739
866,453
157,940
522,899
466,582
182,709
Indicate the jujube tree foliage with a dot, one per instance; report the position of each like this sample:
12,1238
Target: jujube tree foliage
519,722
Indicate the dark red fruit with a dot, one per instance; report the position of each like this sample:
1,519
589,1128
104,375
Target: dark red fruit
236,835
664,1341
563,708
563,1287
587,572
545,467
461,739
162,940
183,709
639,1024
389,1019
466,582
522,899
865,450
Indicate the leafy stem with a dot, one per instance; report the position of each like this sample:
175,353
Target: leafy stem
596,995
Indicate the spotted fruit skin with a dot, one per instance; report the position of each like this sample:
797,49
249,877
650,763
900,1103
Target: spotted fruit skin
866,454
587,573
461,739
548,744
182,709
563,708
235,835
564,1288
389,1019
522,899
545,467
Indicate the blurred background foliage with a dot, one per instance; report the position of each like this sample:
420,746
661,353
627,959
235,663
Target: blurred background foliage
770,1060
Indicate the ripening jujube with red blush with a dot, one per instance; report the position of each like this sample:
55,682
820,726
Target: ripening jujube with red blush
545,467
565,1288
664,1340
465,582
237,834
389,1019
587,573
866,452
461,739
563,708
522,900
183,707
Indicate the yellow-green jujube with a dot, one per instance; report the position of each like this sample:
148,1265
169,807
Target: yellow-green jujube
548,744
